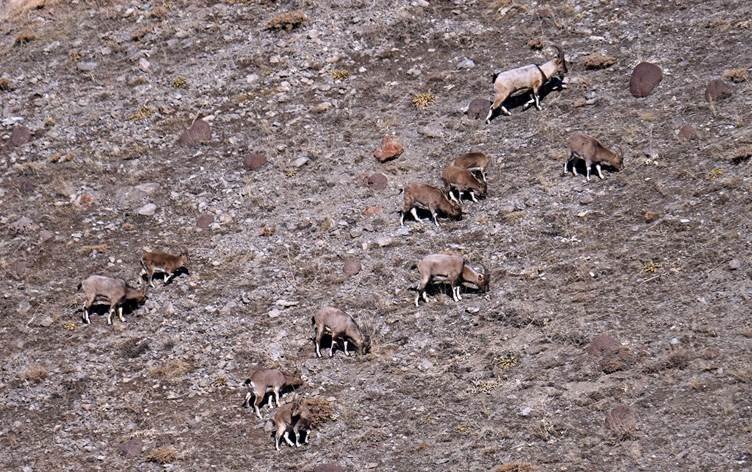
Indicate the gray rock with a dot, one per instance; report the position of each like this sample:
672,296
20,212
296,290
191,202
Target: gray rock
149,188
86,66
465,63
431,131
147,210
735,264
300,162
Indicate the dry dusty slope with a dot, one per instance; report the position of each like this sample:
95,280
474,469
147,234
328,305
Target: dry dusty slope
518,375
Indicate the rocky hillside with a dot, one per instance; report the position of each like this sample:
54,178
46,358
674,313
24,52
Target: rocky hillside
616,332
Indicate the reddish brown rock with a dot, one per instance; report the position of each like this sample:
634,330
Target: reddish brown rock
376,181
131,448
205,220
20,135
645,78
622,421
198,133
328,468
650,216
352,266
602,344
688,133
478,108
596,61
717,90
254,161
390,149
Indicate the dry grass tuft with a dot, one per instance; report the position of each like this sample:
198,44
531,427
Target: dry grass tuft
141,114
287,21
179,82
162,455
340,74
34,373
172,370
322,411
738,74
5,85
423,99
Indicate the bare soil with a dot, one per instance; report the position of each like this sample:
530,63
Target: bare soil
657,257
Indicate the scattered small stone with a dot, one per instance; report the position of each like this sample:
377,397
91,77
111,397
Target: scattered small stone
86,66
22,225
274,313
688,133
205,221
377,181
597,61
586,199
143,64
198,133
149,188
431,131
147,210
465,63
46,322
384,241
390,149
525,411
322,107
352,266
285,303
478,108
254,161
734,264
645,78
20,135
23,307
425,364
472,310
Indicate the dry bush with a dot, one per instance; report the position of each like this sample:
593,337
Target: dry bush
24,37
742,154
322,411
287,21
34,373
622,422
162,455
172,370
14,8
134,347
422,100
5,85
738,74
179,82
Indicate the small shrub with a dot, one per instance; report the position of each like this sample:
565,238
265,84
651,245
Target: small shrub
171,370
141,114
179,82
340,74
162,455
737,75
34,373
423,99
287,21
5,85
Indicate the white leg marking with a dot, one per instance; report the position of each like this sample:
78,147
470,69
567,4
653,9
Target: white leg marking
414,212
505,111
347,353
120,314
598,168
